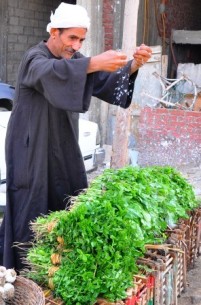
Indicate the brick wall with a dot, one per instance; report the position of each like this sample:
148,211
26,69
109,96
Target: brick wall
108,23
169,137
27,22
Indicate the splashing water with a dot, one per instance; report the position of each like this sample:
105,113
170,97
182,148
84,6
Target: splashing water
120,91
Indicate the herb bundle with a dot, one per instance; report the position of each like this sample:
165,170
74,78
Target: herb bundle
91,250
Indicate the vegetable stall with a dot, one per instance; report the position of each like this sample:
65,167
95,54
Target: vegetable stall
92,251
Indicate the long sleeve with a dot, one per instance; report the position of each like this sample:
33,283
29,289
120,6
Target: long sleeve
62,82
115,88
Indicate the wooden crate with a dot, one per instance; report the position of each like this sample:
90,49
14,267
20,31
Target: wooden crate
143,291
195,231
168,264
191,238
199,238
165,292
178,244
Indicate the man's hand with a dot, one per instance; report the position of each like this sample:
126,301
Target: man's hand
108,61
141,56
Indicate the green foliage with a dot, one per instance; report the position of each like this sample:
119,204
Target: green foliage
106,230
39,257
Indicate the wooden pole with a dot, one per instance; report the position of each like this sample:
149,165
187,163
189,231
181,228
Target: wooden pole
119,156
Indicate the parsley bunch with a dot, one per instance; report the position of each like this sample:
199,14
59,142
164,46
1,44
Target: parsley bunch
93,248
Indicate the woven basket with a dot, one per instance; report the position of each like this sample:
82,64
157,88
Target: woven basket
27,293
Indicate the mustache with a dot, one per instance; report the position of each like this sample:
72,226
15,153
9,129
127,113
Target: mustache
71,50
74,52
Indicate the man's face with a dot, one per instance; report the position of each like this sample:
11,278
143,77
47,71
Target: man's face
67,42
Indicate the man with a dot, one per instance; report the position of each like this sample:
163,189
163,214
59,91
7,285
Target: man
55,83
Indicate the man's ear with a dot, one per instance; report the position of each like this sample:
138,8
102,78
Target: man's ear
53,32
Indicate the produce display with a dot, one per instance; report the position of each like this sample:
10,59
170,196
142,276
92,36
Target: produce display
7,289
91,250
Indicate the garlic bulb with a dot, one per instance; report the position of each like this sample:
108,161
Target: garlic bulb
2,275
8,291
10,275
2,302
1,292
2,269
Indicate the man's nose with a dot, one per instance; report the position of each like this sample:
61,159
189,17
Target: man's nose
76,45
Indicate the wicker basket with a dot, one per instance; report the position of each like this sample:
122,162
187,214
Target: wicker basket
27,293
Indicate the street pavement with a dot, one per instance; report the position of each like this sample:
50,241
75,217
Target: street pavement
192,295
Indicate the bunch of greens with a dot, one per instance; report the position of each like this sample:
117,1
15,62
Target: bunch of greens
91,250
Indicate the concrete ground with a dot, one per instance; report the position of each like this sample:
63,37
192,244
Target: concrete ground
193,291
192,295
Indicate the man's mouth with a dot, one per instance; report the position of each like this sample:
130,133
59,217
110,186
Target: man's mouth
71,52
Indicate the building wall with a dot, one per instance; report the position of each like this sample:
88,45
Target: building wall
169,137
113,18
105,33
3,38
108,23
24,24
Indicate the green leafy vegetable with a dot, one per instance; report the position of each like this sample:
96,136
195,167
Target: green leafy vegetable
95,245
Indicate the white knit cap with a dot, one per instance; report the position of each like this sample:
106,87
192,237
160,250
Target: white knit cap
69,16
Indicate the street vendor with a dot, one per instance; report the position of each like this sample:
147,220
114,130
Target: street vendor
55,83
